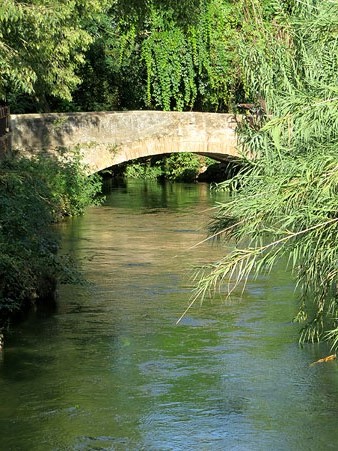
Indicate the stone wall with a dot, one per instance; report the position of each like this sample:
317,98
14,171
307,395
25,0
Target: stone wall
109,138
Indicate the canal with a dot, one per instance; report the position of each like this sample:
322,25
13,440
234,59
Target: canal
111,370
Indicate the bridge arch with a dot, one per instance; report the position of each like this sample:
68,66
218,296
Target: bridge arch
106,139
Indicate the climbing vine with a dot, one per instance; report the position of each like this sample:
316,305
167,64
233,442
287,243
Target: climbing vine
187,65
170,70
115,54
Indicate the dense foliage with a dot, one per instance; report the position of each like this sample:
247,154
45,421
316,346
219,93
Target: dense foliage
191,64
117,54
180,167
166,55
285,202
33,195
42,45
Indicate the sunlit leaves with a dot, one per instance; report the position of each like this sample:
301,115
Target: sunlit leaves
286,202
42,44
189,63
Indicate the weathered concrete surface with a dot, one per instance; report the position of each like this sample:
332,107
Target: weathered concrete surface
109,138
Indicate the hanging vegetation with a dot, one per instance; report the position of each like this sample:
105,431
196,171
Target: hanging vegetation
285,202
172,55
192,66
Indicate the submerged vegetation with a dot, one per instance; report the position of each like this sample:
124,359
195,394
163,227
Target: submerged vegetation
35,194
284,204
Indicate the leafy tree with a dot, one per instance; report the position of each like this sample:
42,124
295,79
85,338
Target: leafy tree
42,44
284,204
78,55
162,54
191,65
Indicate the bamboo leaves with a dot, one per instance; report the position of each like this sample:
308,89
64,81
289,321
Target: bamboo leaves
286,204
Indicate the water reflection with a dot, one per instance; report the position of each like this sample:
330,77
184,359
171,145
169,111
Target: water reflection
111,370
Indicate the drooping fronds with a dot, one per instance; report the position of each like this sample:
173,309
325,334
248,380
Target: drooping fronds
286,201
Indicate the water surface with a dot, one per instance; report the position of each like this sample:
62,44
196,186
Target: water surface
110,369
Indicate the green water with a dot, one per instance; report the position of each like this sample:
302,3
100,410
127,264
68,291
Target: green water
110,370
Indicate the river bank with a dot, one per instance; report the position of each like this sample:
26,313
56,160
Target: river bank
36,194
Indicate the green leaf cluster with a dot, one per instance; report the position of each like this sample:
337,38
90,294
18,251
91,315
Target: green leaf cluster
165,55
182,167
179,167
42,44
192,65
284,202
76,55
33,195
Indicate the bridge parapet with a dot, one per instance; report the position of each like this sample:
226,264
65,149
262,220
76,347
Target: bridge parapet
109,138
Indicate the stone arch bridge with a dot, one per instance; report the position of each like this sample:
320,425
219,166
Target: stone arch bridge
109,138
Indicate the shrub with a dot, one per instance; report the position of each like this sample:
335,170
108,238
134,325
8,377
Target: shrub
34,194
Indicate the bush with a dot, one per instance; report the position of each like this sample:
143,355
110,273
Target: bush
33,195
182,167
179,167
